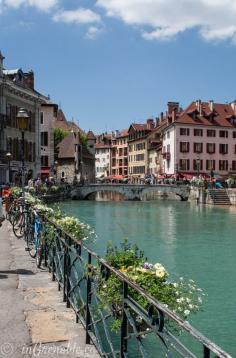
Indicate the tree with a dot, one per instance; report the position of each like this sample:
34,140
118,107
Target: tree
59,135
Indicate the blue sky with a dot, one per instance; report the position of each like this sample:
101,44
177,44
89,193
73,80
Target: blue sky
112,62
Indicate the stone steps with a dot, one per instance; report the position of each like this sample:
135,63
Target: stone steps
219,197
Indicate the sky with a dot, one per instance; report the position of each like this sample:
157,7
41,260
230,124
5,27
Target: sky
110,63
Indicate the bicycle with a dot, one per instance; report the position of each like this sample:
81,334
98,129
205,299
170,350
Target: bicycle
35,237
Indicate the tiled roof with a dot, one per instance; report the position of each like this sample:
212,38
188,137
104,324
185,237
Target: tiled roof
101,145
67,147
123,133
90,135
65,125
219,116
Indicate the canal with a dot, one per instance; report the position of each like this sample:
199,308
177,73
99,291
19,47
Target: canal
197,242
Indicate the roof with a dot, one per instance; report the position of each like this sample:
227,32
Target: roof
67,147
90,135
11,72
139,127
101,145
219,116
123,133
62,123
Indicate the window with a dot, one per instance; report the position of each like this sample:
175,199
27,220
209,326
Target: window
223,164
139,157
44,161
211,133
223,148
41,117
139,170
184,147
211,147
234,134
210,164
223,134
198,132
184,164
234,165
197,164
44,138
184,131
168,134
197,147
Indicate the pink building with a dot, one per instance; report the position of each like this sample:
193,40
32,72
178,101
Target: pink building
200,139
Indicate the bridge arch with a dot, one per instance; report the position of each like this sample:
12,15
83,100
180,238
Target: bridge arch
131,192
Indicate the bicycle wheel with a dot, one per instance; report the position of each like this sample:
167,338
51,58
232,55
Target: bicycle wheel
31,242
19,225
39,253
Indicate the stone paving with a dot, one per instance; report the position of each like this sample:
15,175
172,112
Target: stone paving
34,320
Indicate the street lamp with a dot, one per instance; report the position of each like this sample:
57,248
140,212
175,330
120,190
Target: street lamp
22,123
9,156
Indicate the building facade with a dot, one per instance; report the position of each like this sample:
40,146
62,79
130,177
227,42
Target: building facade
17,91
103,155
138,150
48,116
119,154
201,139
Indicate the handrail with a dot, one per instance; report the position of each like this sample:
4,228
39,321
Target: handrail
64,242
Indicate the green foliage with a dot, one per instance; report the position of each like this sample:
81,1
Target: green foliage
59,134
83,139
183,297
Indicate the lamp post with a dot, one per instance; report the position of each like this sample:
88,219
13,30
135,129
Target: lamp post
9,156
22,123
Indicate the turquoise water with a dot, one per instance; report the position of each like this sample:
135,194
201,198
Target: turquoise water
189,240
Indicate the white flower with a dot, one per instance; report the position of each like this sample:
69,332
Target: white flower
199,300
186,312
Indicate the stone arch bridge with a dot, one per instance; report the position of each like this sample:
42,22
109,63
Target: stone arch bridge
131,192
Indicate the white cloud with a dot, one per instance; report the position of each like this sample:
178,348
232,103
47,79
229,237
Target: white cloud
78,16
92,32
164,19
43,5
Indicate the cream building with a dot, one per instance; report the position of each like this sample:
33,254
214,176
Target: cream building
17,91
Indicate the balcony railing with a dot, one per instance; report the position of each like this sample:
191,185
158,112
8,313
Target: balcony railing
77,270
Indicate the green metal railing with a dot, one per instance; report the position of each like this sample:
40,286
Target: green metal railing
78,271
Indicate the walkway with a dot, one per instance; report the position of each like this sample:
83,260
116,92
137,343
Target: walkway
34,321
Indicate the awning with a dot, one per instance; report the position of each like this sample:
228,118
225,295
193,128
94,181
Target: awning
114,177
45,170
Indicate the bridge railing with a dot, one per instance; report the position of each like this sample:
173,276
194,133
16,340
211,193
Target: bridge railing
78,269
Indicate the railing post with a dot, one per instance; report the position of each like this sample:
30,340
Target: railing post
124,330
53,262
65,274
88,299
206,352
68,270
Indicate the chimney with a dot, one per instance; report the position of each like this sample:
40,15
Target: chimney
157,121
172,106
233,105
211,105
150,123
1,64
199,106
173,116
162,116
29,79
